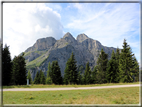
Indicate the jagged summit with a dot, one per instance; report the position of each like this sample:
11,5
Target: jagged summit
82,37
68,35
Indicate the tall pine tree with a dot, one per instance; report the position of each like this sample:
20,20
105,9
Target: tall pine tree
56,73
71,74
94,75
19,71
135,69
6,66
87,74
126,64
101,66
42,77
111,73
117,55
37,78
48,79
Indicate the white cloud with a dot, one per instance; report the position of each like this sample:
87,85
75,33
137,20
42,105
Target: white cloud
24,23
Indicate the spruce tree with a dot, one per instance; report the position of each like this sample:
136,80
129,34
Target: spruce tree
126,64
87,74
94,75
66,75
135,69
111,72
42,77
19,71
6,66
37,79
117,55
48,79
79,77
29,77
71,74
15,71
56,73
101,66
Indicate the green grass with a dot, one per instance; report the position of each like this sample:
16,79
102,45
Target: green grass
60,86
98,96
37,62
27,53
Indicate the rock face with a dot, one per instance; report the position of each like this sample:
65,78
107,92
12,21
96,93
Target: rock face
48,49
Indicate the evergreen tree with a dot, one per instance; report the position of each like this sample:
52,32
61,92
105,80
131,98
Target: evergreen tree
42,77
126,64
117,55
49,70
6,66
37,79
94,75
48,79
29,77
87,74
19,71
15,71
111,72
71,74
101,66
56,73
79,77
135,69
66,75
82,79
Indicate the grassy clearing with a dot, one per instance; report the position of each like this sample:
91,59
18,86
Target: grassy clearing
99,96
60,86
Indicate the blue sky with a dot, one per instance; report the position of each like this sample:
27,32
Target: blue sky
108,23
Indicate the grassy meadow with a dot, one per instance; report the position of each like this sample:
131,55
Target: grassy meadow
61,86
129,95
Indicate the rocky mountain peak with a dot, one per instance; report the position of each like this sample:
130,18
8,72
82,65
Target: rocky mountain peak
69,38
68,35
82,37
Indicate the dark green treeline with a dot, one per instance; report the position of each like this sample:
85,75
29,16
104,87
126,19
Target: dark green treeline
122,67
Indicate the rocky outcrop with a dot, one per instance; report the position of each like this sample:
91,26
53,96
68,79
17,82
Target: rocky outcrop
84,48
42,44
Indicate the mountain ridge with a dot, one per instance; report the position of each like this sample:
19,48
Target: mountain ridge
48,49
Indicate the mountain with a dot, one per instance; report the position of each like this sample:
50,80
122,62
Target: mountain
48,49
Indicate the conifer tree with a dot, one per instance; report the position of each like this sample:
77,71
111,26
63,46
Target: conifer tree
19,70
135,69
101,66
6,66
126,64
71,74
29,77
87,74
42,77
48,79
56,73
111,72
66,75
79,77
37,79
117,55
94,75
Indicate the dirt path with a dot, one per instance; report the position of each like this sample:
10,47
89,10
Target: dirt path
69,88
